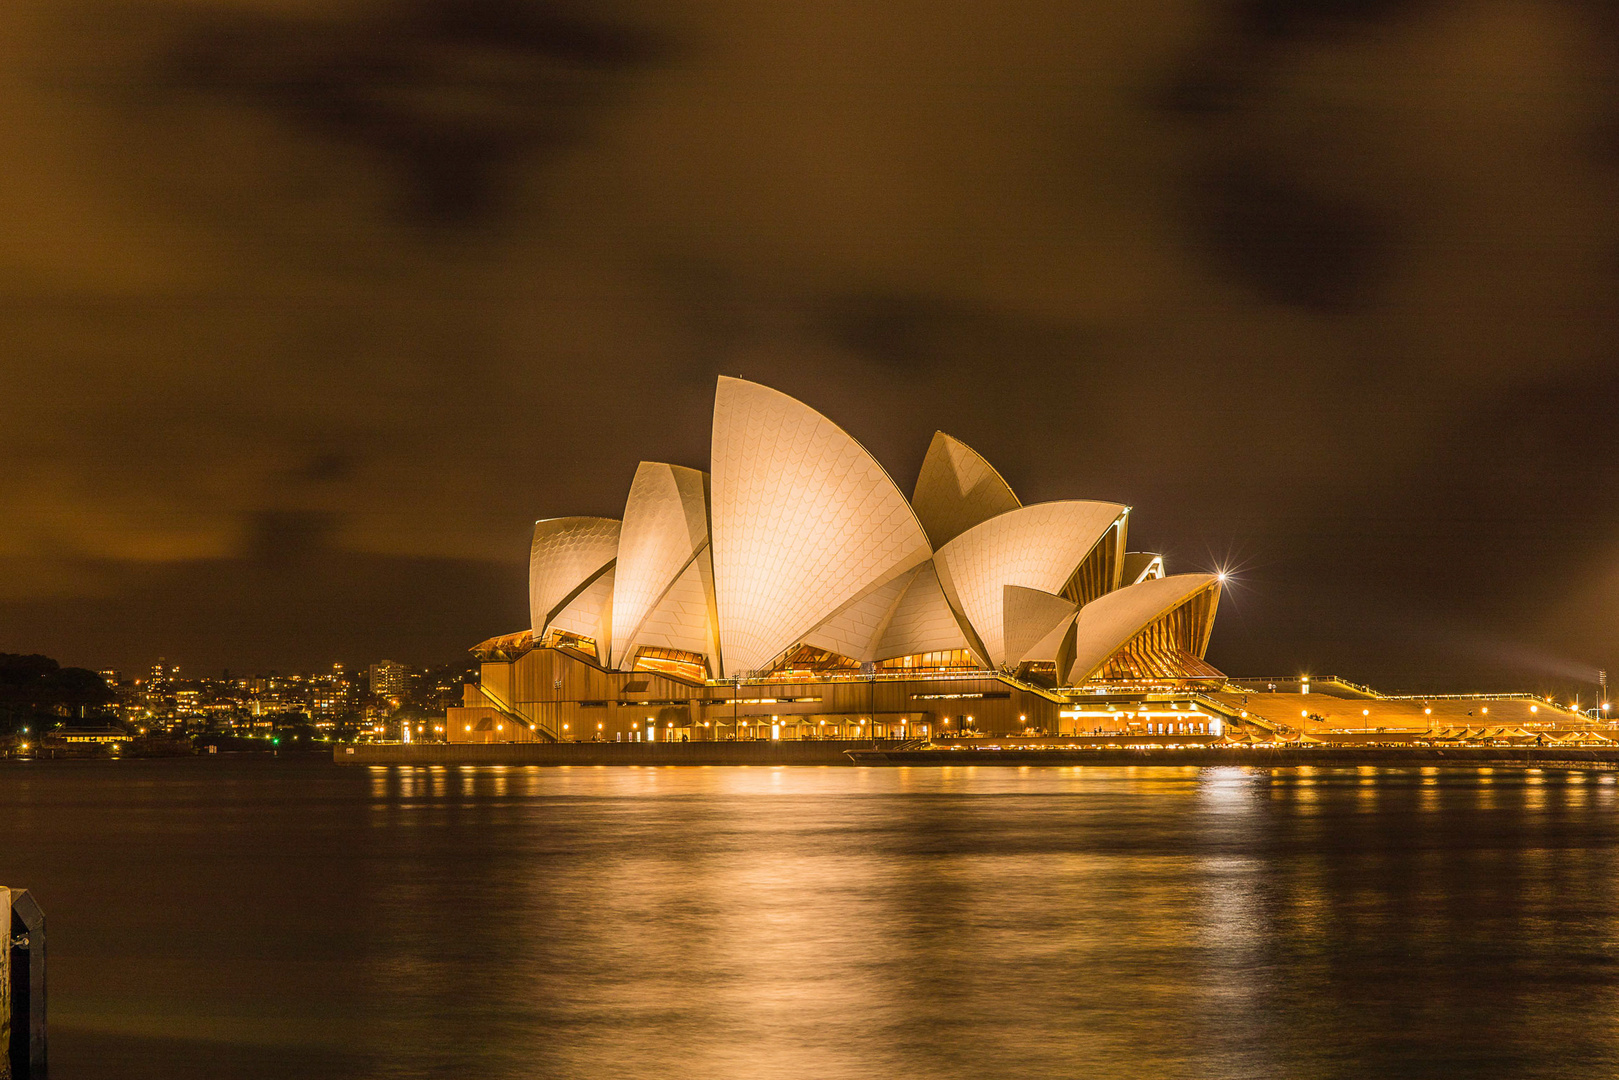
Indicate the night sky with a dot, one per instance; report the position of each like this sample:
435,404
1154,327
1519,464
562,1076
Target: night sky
311,308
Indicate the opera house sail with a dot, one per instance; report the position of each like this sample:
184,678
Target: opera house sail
794,591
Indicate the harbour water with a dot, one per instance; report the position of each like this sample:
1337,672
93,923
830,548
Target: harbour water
257,917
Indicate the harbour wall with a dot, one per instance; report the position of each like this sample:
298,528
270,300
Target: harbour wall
863,752
1262,756
784,752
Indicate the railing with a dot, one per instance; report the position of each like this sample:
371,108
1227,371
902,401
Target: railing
1244,682
506,708
1515,696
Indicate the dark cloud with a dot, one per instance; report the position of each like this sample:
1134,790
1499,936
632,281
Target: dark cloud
1292,244
325,467
1293,18
454,96
312,308
288,540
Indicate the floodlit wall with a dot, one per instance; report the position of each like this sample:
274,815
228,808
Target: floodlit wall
565,696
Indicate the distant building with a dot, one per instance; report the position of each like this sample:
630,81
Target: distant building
102,735
389,679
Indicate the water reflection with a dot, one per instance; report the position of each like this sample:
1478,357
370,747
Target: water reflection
297,919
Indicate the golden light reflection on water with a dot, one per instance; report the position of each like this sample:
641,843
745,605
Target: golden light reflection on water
888,922
864,923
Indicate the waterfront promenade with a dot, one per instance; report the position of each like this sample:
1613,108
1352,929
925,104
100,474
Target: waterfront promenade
744,752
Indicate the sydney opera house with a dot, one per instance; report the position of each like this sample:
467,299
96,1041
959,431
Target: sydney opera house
793,591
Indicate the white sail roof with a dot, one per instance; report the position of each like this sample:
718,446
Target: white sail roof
681,619
1051,648
1037,547
1108,623
665,525
1141,566
855,629
1029,618
957,489
804,520
566,555
922,621
590,614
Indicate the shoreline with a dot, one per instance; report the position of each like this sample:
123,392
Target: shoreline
850,753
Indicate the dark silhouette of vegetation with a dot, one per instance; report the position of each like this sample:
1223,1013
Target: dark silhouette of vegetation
37,690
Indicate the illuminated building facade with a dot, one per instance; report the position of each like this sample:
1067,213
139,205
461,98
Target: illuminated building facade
795,592
388,679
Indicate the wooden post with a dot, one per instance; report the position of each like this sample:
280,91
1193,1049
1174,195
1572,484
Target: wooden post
5,984
22,987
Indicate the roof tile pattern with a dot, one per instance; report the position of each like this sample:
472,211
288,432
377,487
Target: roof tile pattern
853,631
957,489
665,523
1037,547
1107,623
922,620
1049,647
590,614
1030,616
565,554
680,619
804,520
